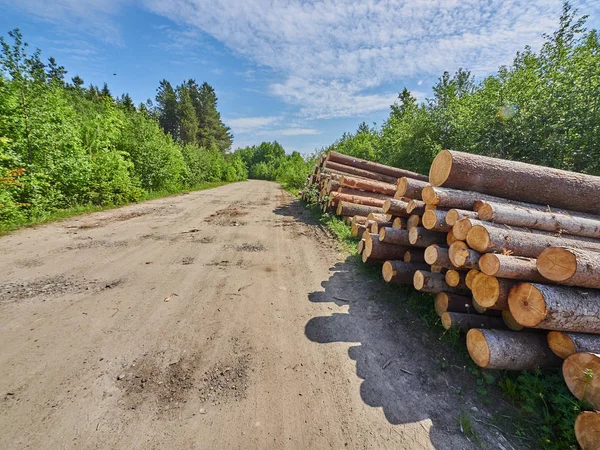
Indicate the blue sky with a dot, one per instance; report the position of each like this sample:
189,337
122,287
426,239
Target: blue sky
298,71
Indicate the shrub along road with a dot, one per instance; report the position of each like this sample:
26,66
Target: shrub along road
217,319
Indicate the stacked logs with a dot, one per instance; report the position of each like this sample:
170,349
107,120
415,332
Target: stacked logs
510,250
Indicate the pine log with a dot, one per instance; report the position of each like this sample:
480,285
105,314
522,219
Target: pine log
470,276
398,223
462,256
416,255
436,220
450,238
555,307
370,260
352,209
516,180
508,350
372,166
462,227
581,372
357,230
510,321
413,221
379,225
396,207
433,282
564,344
361,246
361,172
446,301
486,239
400,272
359,219
570,266
379,217
443,197
421,237
454,278
415,207
410,187
374,249
367,185
437,269
514,267
465,322
437,255
359,193
359,200
396,236
587,430
454,215
491,292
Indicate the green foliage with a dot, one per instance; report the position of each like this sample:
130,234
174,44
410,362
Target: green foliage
64,147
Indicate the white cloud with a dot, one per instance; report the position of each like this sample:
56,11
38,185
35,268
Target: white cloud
250,124
290,132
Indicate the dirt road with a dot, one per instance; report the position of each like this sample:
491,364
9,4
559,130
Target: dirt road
217,319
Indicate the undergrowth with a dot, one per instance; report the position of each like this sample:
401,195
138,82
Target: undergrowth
543,410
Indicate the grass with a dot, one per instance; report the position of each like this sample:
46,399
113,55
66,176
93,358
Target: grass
61,214
541,411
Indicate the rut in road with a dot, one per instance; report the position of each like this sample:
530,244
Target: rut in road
224,318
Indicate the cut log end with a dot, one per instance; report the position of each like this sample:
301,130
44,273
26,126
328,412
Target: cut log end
458,253
431,254
587,430
429,219
510,321
557,264
478,238
561,344
397,223
446,320
470,276
388,271
452,217
489,264
401,186
413,221
453,278
485,290
527,304
386,205
581,372
485,211
440,168
478,348
418,280
429,195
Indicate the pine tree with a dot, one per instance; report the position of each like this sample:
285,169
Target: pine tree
211,128
167,108
188,122
55,73
77,82
105,92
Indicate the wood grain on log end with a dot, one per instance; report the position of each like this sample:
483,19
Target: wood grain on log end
478,238
401,186
440,168
397,223
431,254
388,271
413,221
478,348
527,304
453,278
418,280
485,290
461,228
587,430
581,372
485,211
429,195
557,264
489,264
458,253
561,344
470,276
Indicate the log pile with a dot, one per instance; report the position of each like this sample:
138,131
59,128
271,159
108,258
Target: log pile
510,250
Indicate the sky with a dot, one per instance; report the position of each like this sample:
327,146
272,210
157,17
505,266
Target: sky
301,72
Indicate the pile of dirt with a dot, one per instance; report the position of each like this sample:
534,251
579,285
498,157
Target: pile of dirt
227,217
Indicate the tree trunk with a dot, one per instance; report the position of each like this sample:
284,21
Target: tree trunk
375,249
357,192
421,237
367,185
379,225
358,230
462,256
358,200
415,207
433,282
587,430
372,166
361,172
400,272
359,220
454,215
456,279
508,350
413,221
379,217
446,301
516,180
396,207
435,219
555,307
398,223
437,255
514,267
487,239
394,236
491,292
416,255
570,266
464,322
565,344
352,209
470,276
361,245
581,372
410,187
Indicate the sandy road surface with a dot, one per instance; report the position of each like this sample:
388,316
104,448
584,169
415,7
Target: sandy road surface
216,319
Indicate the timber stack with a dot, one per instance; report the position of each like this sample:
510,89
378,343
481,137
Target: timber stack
510,250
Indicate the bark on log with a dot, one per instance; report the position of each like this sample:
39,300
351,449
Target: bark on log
437,255
508,350
421,237
413,221
410,187
513,267
379,225
361,172
415,207
564,344
555,307
379,217
396,207
396,236
492,292
374,249
456,279
581,372
516,180
510,321
398,223
587,430
470,276
462,256
465,322
446,301
570,266
359,220
358,200
357,230
487,239
454,215
367,185
400,272
540,220
357,192
416,255
436,220
433,282
372,166
352,209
